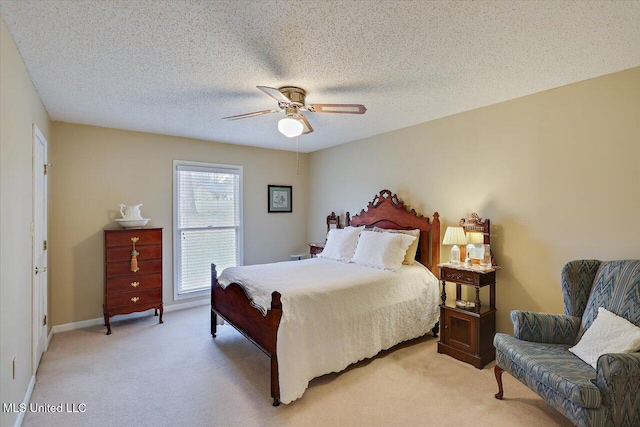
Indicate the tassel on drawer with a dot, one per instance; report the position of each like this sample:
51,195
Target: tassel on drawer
134,255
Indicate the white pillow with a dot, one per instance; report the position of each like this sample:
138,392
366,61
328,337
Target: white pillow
382,250
607,334
410,257
341,243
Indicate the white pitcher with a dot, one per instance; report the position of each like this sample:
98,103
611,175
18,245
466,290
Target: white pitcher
131,212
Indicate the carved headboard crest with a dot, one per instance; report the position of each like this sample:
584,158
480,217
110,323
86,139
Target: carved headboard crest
385,194
386,210
387,198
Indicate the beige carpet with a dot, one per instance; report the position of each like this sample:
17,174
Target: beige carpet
175,374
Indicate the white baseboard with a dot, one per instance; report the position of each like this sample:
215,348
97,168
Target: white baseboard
25,401
100,320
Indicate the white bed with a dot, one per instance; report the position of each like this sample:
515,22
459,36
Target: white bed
325,314
337,313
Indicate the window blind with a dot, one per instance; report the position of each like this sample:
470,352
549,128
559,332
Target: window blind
207,223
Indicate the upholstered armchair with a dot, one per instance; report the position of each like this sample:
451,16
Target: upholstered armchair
538,355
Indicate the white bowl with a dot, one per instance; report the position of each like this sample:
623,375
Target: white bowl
133,223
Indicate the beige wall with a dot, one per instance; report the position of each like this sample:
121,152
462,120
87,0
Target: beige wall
20,108
95,169
556,172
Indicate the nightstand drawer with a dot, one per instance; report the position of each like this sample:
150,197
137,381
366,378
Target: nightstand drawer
151,296
466,277
460,276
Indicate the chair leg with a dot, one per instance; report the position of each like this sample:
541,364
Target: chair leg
498,371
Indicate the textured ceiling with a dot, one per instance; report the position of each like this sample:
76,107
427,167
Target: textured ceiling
178,67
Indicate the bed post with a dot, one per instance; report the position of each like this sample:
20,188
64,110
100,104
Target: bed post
276,312
435,244
214,317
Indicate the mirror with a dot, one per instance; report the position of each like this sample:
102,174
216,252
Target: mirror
478,235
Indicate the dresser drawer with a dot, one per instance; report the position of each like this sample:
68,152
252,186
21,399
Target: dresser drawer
150,296
150,236
129,284
123,253
123,269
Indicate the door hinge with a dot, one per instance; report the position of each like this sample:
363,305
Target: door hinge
44,320
46,168
44,246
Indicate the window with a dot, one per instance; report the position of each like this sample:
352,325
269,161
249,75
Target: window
207,224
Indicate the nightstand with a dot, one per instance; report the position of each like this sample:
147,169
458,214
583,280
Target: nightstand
467,333
315,249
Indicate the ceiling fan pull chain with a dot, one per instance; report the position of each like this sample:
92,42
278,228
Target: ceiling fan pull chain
297,157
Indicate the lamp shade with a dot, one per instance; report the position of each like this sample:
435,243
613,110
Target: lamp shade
454,236
290,127
475,237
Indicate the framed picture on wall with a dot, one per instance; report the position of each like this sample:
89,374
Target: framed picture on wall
280,198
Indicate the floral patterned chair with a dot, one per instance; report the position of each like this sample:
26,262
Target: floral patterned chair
538,355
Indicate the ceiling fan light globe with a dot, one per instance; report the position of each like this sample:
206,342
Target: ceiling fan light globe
290,127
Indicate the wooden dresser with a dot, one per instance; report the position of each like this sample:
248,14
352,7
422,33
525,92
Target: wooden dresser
126,291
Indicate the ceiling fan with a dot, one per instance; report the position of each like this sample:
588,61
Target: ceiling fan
291,102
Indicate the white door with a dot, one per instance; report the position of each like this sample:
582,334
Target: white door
39,246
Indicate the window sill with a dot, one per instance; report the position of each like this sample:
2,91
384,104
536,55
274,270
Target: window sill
191,295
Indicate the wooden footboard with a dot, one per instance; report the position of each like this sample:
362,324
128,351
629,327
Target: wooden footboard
235,306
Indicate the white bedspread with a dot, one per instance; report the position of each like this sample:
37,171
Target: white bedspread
335,313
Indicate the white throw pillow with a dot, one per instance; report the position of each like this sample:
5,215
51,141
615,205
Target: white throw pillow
341,243
382,250
607,334
410,257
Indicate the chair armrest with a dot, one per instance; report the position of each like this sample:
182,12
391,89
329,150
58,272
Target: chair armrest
618,378
545,328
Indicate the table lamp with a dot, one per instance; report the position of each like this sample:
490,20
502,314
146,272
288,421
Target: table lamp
455,236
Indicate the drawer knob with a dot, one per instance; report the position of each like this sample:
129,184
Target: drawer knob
135,299
135,284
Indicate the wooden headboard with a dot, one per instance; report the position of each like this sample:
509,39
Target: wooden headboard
386,210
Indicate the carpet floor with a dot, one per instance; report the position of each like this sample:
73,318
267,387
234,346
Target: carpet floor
175,374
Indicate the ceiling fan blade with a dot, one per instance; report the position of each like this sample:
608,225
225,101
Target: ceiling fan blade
337,108
305,123
244,116
275,94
